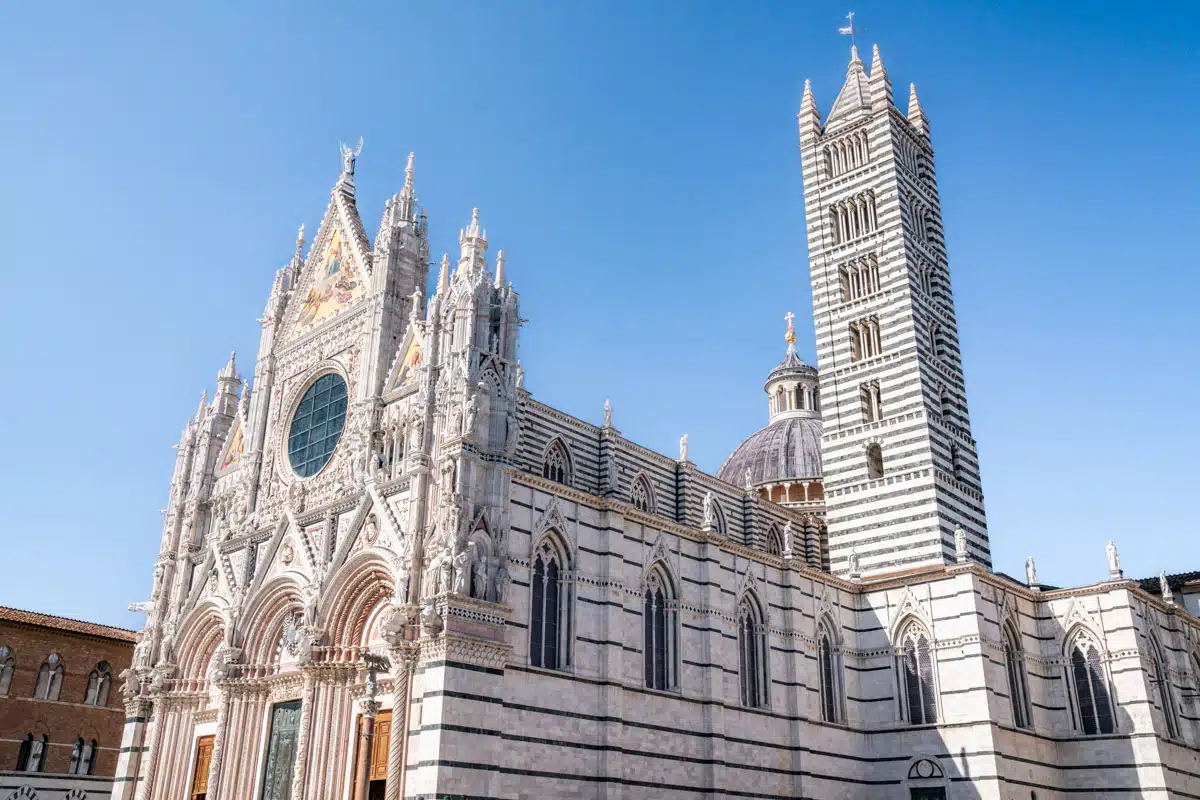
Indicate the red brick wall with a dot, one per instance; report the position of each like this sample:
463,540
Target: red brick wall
68,719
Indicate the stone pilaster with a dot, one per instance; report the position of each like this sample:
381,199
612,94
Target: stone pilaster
403,661
306,701
133,747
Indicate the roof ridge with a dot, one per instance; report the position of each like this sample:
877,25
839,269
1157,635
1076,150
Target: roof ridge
76,625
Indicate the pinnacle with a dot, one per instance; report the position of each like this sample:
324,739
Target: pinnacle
230,371
500,271
444,273
408,171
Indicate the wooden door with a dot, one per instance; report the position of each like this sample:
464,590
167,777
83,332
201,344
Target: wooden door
379,747
204,748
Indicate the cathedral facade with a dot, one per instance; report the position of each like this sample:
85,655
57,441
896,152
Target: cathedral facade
388,571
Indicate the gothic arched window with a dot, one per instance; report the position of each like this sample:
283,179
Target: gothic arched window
641,496
659,617
83,757
549,615
1093,704
32,754
752,653
1162,679
7,665
98,684
829,661
49,680
916,669
774,541
1018,688
556,465
874,461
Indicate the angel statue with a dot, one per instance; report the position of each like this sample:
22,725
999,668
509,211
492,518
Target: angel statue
349,155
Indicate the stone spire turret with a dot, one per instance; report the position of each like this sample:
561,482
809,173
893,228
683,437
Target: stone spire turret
809,116
473,243
881,84
501,275
915,115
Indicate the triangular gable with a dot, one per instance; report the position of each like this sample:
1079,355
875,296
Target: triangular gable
404,371
235,446
335,273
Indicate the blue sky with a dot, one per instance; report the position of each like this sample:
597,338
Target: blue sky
638,163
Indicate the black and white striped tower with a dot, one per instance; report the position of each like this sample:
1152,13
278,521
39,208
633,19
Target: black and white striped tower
900,465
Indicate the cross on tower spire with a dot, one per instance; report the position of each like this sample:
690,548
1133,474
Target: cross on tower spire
850,30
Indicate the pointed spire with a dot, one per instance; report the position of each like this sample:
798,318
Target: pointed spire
203,405
881,84
915,115
809,116
473,242
501,277
407,197
244,402
230,370
444,274
854,100
299,255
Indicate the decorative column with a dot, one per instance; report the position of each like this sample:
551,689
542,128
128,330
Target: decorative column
301,766
218,751
133,747
368,707
154,753
403,659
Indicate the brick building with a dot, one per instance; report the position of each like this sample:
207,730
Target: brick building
60,715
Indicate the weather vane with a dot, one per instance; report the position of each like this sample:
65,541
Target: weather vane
849,30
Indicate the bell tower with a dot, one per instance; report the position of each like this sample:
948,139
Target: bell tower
901,472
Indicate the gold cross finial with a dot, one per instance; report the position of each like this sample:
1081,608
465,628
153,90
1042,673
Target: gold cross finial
790,336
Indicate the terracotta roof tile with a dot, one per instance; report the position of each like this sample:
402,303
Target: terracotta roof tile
66,624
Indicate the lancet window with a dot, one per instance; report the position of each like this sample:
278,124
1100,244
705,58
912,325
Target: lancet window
659,621
8,665
752,653
919,701
774,541
872,401
853,217
1162,680
847,153
49,680
556,464
865,339
550,612
98,685
874,461
641,496
83,757
32,754
830,664
859,278
1018,687
1092,705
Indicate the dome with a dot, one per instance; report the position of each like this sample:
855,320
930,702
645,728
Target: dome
787,449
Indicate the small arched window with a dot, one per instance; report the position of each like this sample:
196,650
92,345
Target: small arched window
556,466
49,680
32,754
774,541
752,653
7,665
916,670
874,461
83,757
98,685
829,661
641,496
549,616
1162,679
1018,688
1093,704
659,617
